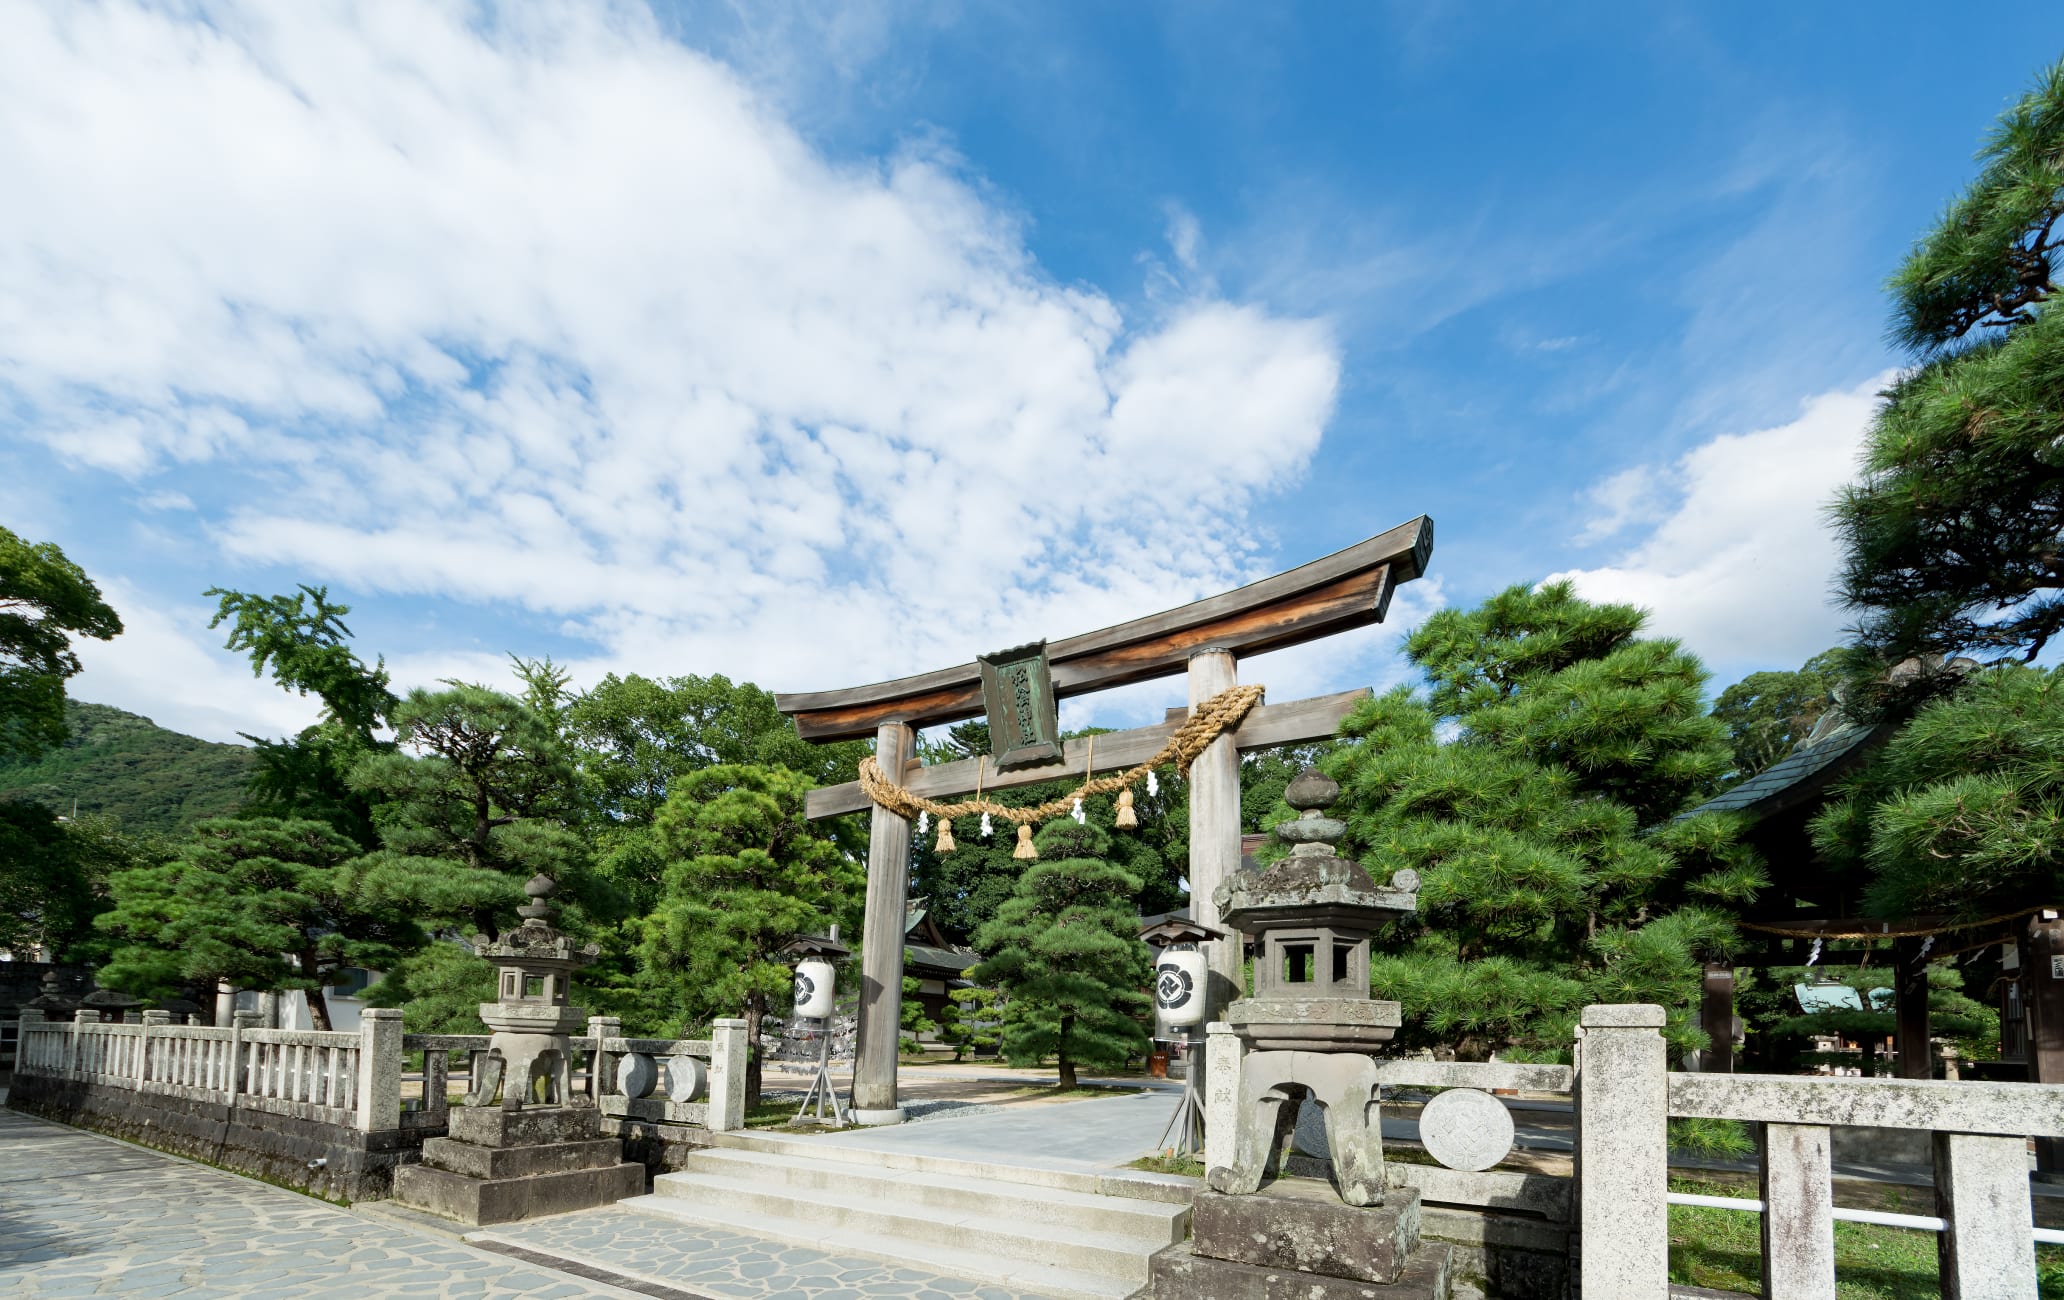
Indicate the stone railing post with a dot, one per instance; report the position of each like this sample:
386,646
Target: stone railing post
379,1069
1623,1153
1221,1094
29,1016
727,1075
76,1066
154,1024
239,1073
601,1065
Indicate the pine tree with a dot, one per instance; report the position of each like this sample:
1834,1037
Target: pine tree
748,875
1954,533
475,799
1962,812
263,903
1065,949
1552,872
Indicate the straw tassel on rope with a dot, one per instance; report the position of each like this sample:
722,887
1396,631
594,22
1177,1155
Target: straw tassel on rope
1024,849
945,844
1126,818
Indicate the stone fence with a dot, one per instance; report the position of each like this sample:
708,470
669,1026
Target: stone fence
328,1111
1604,1232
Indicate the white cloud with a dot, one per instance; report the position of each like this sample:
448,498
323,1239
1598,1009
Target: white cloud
1740,562
543,308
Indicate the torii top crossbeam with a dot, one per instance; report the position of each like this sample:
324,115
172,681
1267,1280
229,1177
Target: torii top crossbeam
1346,590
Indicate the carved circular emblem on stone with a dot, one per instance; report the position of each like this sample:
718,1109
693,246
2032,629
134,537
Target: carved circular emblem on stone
1466,1129
1173,987
636,1075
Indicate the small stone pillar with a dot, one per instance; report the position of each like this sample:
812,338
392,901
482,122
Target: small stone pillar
379,1069
1623,1153
727,1075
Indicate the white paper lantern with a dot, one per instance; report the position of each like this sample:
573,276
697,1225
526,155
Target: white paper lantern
1179,987
686,1076
815,982
635,1075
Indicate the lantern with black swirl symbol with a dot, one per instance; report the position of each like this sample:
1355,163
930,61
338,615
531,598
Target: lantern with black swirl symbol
815,983
1179,987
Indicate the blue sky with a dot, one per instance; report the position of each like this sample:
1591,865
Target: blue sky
815,345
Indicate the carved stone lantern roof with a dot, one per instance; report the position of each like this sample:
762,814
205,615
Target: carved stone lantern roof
1311,914
536,961
52,1001
112,1004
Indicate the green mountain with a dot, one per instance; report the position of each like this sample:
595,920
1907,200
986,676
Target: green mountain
148,778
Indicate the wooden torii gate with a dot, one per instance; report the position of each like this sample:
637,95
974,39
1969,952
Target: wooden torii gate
1346,590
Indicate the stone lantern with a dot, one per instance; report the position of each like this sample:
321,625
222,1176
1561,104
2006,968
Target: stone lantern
1305,1036
52,1002
530,1054
542,1151
1307,1029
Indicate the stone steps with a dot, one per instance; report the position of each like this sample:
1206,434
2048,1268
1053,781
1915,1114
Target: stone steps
958,1218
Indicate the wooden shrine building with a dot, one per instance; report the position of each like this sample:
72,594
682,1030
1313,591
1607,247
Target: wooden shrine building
1810,908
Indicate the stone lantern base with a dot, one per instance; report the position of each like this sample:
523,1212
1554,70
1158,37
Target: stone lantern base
1295,1239
500,1165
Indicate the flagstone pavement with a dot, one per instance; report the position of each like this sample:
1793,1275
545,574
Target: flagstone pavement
85,1215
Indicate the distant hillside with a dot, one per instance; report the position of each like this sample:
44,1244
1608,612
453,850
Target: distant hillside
128,766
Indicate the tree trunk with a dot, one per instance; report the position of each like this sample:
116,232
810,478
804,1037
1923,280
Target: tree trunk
1067,1063
755,1011
318,1008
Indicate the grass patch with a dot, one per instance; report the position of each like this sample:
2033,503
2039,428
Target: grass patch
1187,1166
1723,1249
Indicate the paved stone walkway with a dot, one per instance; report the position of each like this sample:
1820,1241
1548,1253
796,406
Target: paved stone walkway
716,1262
84,1215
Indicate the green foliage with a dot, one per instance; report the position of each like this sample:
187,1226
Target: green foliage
975,1022
439,990
1951,1012
303,639
635,738
1960,813
747,875
1065,949
262,903
912,1020
146,778
45,601
1551,875
54,876
1768,713
1952,532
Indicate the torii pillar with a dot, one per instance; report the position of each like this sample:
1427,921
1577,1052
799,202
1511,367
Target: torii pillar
881,944
1215,833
